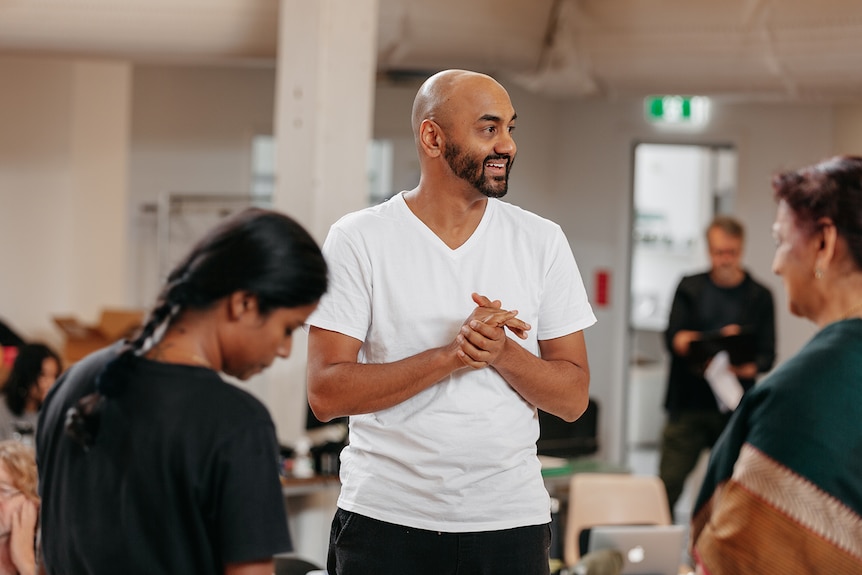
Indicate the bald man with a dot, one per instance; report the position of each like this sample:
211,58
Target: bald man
452,316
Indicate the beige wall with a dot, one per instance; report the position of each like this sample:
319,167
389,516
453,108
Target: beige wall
848,129
594,175
74,172
574,166
191,132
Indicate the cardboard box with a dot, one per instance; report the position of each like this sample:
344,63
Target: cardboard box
82,339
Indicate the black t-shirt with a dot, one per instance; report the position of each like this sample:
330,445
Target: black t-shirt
182,479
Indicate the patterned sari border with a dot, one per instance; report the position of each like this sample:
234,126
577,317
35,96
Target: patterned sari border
809,505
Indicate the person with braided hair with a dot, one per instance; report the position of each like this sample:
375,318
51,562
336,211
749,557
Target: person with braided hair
149,461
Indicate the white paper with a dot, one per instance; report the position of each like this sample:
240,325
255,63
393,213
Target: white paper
724,383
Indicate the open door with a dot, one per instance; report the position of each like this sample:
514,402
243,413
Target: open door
677,189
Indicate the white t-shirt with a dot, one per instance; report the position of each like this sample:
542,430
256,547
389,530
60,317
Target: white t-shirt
461,455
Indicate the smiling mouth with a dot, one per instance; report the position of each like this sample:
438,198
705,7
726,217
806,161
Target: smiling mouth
496,165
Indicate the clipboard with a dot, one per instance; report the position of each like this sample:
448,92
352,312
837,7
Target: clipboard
740,348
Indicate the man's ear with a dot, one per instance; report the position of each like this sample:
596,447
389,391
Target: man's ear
241,303
430,138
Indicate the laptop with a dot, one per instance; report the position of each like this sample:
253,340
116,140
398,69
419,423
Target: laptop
646,549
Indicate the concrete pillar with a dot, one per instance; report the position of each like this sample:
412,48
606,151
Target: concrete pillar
323,124
99,151
324,107
63,180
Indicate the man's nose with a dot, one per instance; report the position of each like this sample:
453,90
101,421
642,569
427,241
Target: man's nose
506,144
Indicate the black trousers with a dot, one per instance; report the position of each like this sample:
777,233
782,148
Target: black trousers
359,545
685,436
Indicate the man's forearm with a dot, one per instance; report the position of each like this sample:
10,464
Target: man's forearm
352,388
556,385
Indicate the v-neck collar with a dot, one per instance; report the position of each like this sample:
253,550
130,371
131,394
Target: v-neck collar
490,207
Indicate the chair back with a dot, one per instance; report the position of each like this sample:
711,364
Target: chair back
559,438
612,499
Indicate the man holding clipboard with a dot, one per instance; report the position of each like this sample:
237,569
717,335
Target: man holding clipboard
721,331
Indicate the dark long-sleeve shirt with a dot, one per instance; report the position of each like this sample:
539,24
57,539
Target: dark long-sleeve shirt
700,305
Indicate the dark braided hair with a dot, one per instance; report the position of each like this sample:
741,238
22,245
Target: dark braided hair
262,252
25,373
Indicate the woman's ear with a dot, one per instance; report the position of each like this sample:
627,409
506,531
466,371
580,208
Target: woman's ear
242,303
828,237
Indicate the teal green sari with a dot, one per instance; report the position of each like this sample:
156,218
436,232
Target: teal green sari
783,490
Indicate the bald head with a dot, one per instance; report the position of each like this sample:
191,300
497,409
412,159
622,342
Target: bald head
462,125
441,94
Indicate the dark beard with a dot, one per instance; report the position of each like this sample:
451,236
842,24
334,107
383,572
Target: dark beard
468,169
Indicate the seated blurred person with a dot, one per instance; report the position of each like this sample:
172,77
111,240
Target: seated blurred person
35,370
9,344
19,509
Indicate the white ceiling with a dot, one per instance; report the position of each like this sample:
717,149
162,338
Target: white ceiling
764,49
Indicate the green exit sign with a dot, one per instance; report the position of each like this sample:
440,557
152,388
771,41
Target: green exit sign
681,110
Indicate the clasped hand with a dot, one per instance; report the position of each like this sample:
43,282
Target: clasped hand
482,338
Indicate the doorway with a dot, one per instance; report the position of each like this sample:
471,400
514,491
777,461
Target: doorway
676,191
